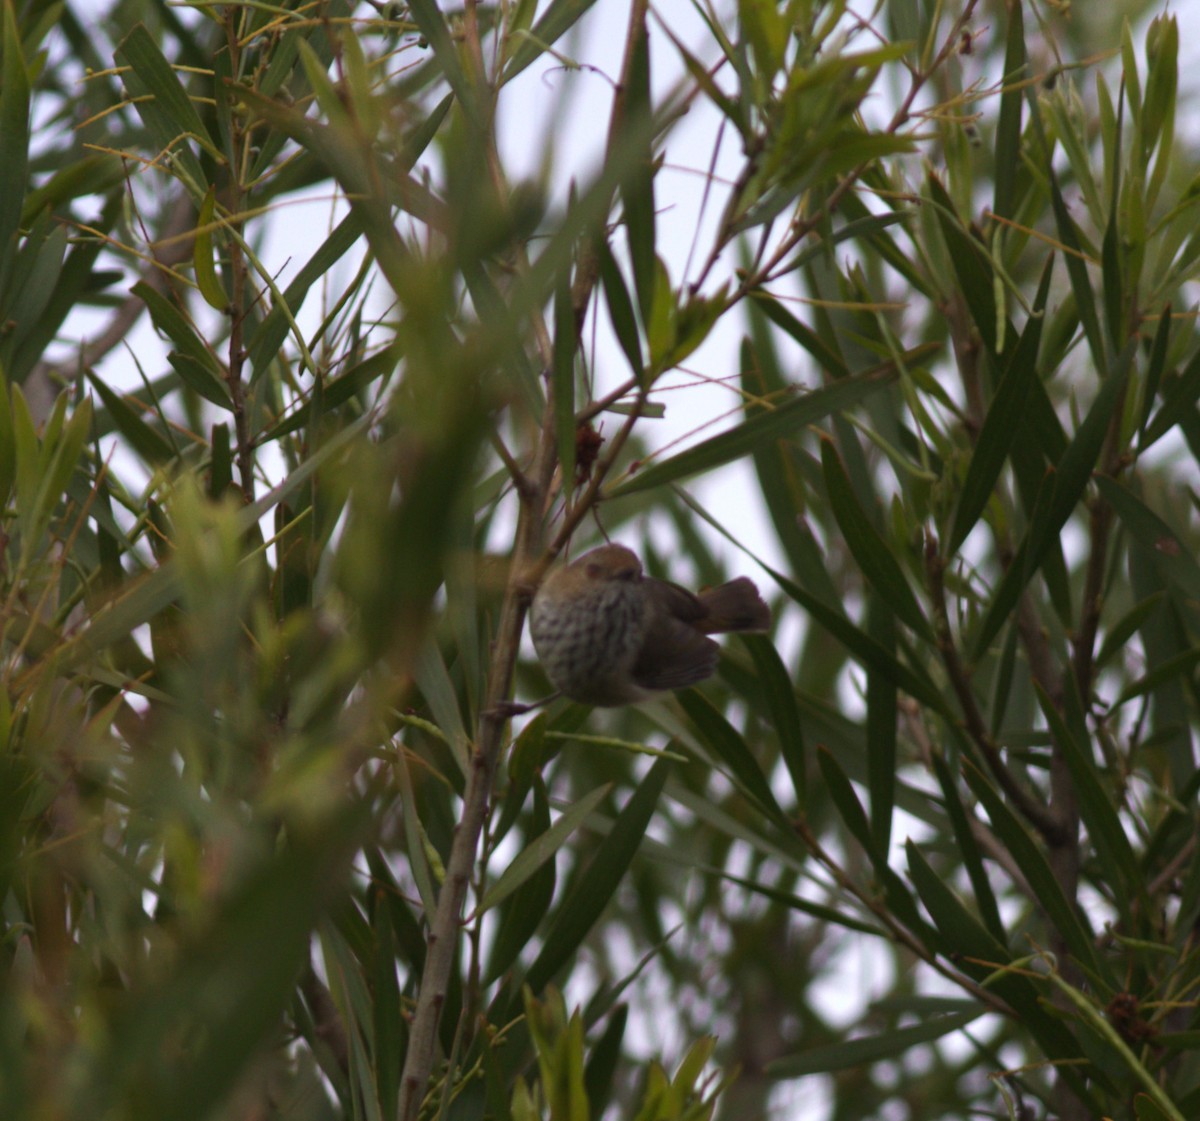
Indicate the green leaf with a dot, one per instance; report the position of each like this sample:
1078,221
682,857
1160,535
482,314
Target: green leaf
338,391
606,1053
563,373
1118,634
620,309
524,910
139,49
143,439
388,1025
14,134
1062,914
784,713
173,323
971,265
776,423
227,992
964,835
198,378
637,188
1179,403
874,657
1179,666
204,255
1103,823
433,679
869,549
542,848
731,748
1007,160
1003,422
897,895
596,885
558,18
1145,1108
882,717
1073,256
1175,559
824,355
163,104
433,27
1154,370
1072,477
870,1049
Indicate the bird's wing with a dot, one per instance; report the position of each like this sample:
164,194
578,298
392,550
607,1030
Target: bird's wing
673,655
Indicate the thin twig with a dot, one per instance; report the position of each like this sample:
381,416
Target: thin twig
529,560
900,933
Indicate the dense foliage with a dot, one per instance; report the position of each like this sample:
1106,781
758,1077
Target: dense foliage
275,499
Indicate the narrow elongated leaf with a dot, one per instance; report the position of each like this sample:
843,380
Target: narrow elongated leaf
874,657
433,679
150,594
874,557
524,911
1031,861
1003,423
731,748
204,256
1085,303
781,421
1178,667
199,379
161,102
140,50
563,377
543,848
271,332
429,19
598,882
1179,403
882,717
1095,807
1117,636
246,967
151,445
971,265
1074,472
825,356
899,899
175,325
1172,556
870,1049
985,898
780,696
388,1025
558,18
620,309
637,189
1008,128
982,957
1154,370
339,390
14,134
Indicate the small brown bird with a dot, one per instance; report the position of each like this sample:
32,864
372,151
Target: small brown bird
608,635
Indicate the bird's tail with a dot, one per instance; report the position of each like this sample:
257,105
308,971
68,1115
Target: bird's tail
735,606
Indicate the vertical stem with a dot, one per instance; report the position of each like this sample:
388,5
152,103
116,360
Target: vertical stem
238,275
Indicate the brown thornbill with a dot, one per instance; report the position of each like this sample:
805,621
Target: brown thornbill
608,635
